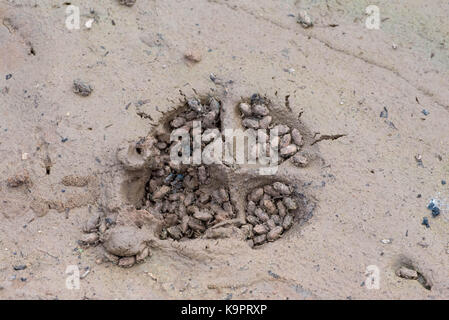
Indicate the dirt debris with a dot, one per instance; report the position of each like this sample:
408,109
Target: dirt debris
81,88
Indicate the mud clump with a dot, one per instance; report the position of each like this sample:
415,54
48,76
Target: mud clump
185,197
270,211
18,180
255,115
81,88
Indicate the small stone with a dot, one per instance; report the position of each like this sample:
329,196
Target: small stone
161,192
260,110
195,105
178,122
245,109
247,230
265,122
258,240
276,219
250,207
111,258
128,3
274,233
262,215
175,232
202,216
89,238
285,140
252,219
250,123
268,189
407,273
18,180
281,188
271,225
127,262
300,160
288,222
20,267
288,150
281,209
193,55
196,225
297,137
171,219
256,195
282,129
425,222
260,229
81,88
92,222
143,255
270,207
304,19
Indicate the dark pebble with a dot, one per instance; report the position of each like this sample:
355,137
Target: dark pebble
20,267
425,222
8,76
435,211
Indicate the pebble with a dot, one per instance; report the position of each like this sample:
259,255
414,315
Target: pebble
160,193
407,273
260,229
425,222
265,122
202,216
89,238
282,129
250,123
256,195
288,150
245,109
194,105
270,207
128,3
275,233
81,88
8,76
297,137
260,110
288,221
193,55
304,19
281,188
258,240
300,160
281,209
127,262
178,122
19,267
285,140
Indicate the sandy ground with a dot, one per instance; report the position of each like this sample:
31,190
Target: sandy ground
344,76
